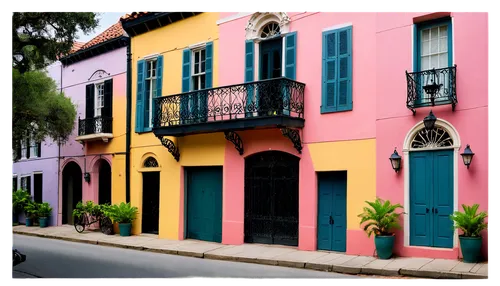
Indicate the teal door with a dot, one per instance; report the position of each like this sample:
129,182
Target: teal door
332,222
431,198
269,97
204,203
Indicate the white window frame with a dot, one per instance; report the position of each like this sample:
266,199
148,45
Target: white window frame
197,76
150,94
97,105
33,147
20,183
24,150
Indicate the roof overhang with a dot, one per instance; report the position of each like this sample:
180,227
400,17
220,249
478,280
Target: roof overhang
154,20
95,50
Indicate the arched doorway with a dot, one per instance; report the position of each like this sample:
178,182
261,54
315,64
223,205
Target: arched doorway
272,198
104,182
71,191
150,196
430,158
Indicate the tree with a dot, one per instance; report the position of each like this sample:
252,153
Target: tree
39,109
40,38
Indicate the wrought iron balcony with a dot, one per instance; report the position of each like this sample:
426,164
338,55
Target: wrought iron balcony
431,87
277,103
95,128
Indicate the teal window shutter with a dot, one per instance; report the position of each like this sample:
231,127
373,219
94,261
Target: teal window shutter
337,70
290,55
249,63
186,82
159,84
209,65
139,108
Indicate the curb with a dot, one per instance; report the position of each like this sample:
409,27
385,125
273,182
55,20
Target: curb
292,264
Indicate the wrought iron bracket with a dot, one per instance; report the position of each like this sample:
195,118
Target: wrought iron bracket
294,136
170,145
234,138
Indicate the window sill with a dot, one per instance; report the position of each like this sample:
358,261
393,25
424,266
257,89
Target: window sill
146,130
331,110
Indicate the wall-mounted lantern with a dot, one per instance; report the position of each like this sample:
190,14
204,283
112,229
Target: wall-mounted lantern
467,156
429,121
395,160
86,177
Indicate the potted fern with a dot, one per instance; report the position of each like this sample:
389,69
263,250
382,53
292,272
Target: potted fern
123,214
44,212
471,224
19,200
381,219
31,212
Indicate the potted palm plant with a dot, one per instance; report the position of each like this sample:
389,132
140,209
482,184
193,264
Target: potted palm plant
471,224
123,214
19,200
381,219
31,212
44,212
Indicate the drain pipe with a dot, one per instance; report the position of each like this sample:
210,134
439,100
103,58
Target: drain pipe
129,115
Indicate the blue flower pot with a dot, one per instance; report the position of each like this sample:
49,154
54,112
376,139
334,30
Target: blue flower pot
29,221
471,248
125,229
384,245
44,221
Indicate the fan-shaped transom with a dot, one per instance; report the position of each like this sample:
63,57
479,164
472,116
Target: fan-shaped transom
270,30
435,138
150,162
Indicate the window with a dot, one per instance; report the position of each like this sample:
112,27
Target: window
99,99
14,183
337,70
35,148
26,183
149,86
24,149
198,72
150,89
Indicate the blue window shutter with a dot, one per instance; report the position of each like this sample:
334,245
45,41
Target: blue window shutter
186,83
290,55
159,84
209,64
249,61
139,109
329,72
344,69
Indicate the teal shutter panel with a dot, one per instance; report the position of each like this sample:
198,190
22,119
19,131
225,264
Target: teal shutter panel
344,72
139,109
249,61
329,86
208,64
290,55
186,83
159,85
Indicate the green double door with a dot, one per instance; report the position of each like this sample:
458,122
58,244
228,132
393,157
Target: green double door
204,203
431,198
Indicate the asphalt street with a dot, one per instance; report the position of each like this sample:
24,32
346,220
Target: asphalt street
50,258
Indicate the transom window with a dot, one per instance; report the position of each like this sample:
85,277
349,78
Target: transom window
150,162
434,47
435,138
150,88
198,74
99,99
270,30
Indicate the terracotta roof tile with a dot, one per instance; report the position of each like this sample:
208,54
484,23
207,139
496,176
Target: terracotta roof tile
76,46
110,33
133,16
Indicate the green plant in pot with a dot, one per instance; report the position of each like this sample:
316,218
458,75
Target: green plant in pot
381,219
44,212
471,224
123,214
19,200
31,212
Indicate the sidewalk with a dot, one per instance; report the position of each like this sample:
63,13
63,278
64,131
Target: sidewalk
272,255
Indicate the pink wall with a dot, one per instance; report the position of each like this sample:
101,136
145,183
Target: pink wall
470,119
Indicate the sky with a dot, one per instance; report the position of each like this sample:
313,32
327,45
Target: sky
106,20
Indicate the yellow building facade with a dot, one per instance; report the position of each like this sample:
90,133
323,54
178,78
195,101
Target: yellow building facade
156,177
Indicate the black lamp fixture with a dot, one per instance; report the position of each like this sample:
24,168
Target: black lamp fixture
86,176
467,156
395,160
432,88
429,121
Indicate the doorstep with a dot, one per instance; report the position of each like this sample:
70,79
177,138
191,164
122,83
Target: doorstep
272,255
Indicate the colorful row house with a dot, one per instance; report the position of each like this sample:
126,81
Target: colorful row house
222,151
92,161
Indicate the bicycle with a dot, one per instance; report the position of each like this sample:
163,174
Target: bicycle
86,220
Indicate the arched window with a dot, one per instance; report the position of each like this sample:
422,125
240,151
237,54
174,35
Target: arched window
435,138
150,162
270,30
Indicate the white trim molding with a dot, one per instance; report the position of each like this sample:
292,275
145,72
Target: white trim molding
337,26
233,17
150,57
259,20
406,172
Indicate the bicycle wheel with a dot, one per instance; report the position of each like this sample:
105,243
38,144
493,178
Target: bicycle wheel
106,225
80,223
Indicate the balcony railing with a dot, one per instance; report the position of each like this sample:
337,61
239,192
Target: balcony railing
96,125
431,87
274,98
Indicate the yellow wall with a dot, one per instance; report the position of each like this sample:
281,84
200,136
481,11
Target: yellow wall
358,158
195,150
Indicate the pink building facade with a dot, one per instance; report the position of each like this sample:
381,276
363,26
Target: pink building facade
348,137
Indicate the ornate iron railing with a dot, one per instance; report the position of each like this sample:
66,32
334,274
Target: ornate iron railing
265,98
431,87
95,125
